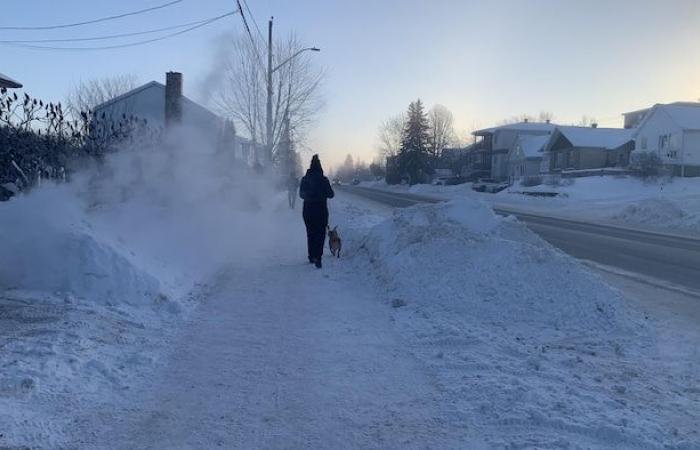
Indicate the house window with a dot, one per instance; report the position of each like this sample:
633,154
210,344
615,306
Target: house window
644,142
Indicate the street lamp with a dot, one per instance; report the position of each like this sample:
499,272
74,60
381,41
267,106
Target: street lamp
270,71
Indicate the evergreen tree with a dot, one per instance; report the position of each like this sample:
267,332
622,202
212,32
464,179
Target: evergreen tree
415,144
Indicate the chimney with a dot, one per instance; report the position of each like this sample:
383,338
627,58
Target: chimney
173,98
594,125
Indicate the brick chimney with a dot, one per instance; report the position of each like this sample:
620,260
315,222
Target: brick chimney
173,98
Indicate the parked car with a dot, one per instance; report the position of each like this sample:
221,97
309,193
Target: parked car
336,182
449,181
473,176
489,185
355,181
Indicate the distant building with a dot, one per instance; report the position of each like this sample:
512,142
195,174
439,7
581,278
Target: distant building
634,118
672,131
572,148
492,150
7,82
165,105
526,156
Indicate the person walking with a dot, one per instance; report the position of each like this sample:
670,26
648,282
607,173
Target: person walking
292,186
315,190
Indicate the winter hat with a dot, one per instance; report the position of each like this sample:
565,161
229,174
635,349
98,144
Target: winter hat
315,164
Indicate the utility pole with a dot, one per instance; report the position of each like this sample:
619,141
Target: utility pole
269,93
270,70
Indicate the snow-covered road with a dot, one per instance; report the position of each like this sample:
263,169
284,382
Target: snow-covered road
281,355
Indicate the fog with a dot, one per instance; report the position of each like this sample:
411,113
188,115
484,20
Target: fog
174,213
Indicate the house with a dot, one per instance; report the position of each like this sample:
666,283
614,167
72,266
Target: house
165,105
7,82
497,143
672,131
634,118
525,158
573,148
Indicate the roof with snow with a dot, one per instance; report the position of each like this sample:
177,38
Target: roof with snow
520,126
157,85
532,146
684,114
607,138
7,82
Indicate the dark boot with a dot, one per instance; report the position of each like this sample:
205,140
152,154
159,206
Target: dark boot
318,263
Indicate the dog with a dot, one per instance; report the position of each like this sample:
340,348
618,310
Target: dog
334,242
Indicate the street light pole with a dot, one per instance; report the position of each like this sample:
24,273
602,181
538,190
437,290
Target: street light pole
268,121
270,70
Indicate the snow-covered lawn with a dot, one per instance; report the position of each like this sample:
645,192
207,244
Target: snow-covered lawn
181,325
669,204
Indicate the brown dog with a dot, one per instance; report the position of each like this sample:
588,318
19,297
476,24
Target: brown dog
334,242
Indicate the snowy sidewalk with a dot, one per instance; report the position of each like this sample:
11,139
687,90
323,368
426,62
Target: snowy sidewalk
286,356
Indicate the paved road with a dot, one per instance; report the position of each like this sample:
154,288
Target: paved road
670,259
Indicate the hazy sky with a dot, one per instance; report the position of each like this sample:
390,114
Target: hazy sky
484,60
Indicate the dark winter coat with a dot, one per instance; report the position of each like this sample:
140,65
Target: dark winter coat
315,187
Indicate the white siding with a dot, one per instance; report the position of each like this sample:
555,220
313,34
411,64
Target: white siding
691,148
650,134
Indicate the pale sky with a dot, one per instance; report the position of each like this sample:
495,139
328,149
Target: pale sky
484,60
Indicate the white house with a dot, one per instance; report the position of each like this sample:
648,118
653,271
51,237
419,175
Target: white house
162,105
526,155
672,131
498,143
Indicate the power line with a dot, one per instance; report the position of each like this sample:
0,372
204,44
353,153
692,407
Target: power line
102,19
255,23
250,35
245,24
131,44
101,38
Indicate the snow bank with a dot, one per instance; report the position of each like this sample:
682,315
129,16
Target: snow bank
490,267
49,245
528,347
147,221
660,211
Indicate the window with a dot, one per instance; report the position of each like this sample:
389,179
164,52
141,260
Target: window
669,141
644,142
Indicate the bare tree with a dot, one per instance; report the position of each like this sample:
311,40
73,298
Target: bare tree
442,133
390,132
517,119
238,89
86,95
586,121
545,116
